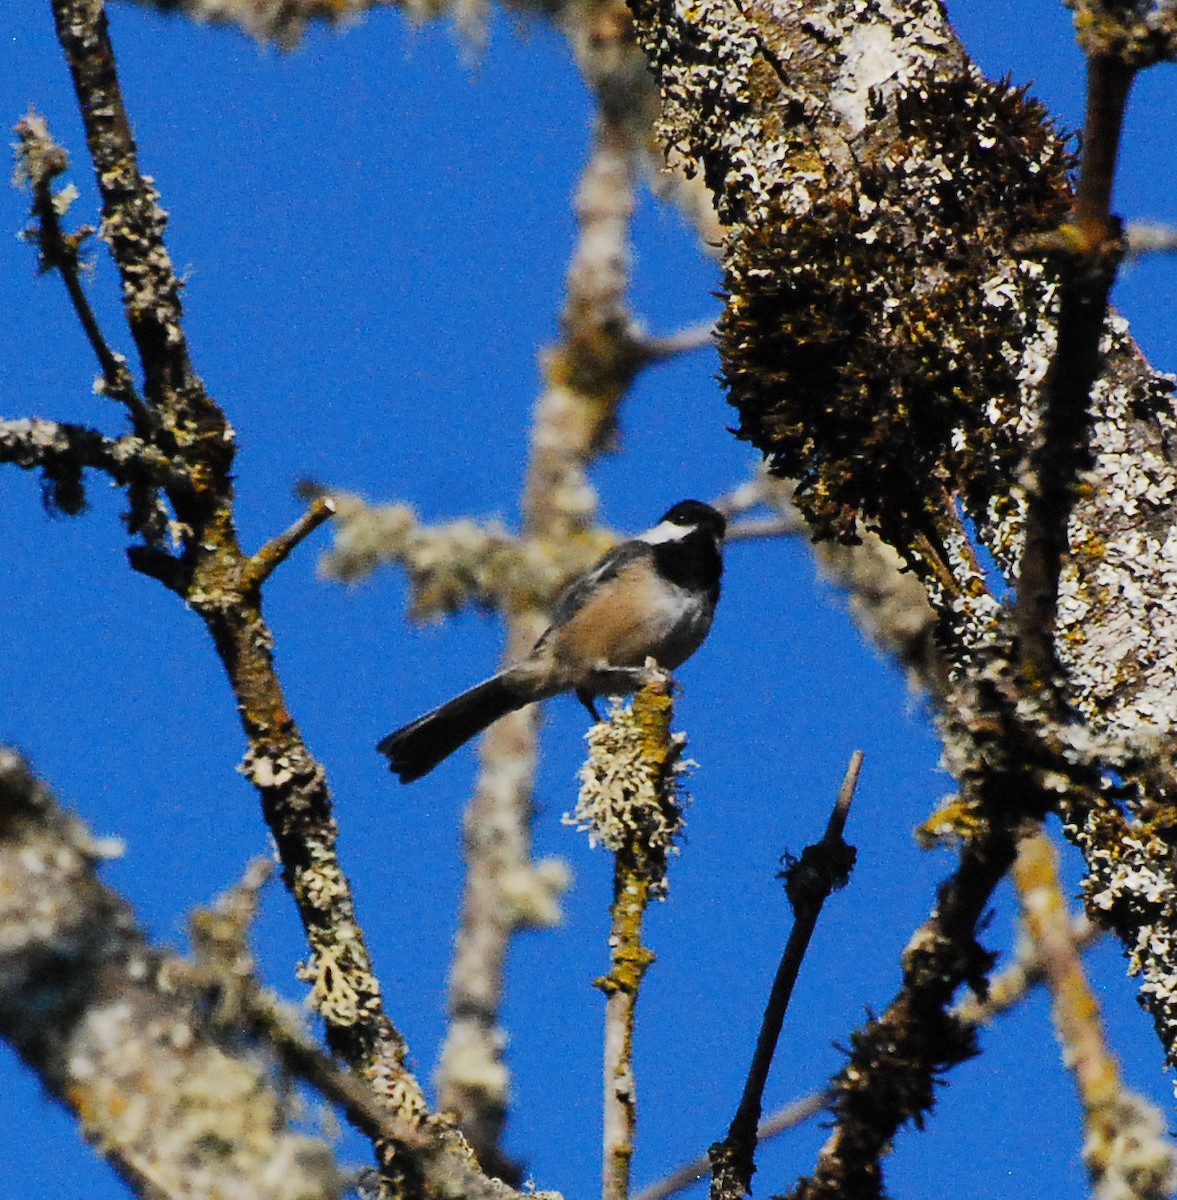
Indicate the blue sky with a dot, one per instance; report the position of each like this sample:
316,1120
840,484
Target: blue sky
374,229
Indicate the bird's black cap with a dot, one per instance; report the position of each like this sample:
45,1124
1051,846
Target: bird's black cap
695,512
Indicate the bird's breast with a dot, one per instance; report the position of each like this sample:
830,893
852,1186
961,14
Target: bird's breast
642,617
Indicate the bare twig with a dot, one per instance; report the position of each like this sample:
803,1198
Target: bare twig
775,1123
822,868
1142,237
694,337
897,1057
1006,989
278,549
765,527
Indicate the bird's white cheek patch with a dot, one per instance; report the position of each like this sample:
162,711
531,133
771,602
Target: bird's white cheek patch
666,532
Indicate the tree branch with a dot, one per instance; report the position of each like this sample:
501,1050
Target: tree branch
1123,1147
628,803
823,867
41,160
178,1103
132,226
897,1058
276,551
62,452
219,583
1061,452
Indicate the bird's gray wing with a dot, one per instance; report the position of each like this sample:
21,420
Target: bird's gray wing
609,566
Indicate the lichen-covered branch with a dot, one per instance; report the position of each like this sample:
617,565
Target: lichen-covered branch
1129,887
132,227
1123,1145
1118,41
63,452
1061,452
184,447
222,968
179,1102
585,376
885,341
628,803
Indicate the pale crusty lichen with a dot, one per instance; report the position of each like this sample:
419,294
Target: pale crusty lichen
474,1063
628,795
1139,32
342,997
1129,881
1117,612
1131,1151
533,891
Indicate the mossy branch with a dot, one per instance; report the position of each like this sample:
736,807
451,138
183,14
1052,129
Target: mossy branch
628,803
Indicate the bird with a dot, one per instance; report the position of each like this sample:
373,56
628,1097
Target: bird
652,596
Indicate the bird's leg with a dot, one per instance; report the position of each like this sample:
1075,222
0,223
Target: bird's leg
607,680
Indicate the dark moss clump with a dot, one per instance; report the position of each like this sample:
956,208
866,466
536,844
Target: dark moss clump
872,346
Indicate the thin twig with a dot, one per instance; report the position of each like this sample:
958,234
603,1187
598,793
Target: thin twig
765,527
775,1123
822,868
42,159
1144,237
275,552
693,337
1007,989
897,1058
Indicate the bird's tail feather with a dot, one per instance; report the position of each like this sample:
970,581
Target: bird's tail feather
418,747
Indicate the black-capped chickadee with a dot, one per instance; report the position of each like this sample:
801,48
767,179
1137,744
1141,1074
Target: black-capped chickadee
650,597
